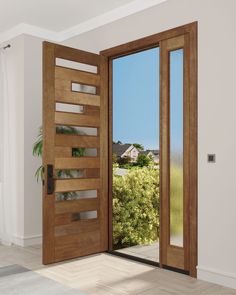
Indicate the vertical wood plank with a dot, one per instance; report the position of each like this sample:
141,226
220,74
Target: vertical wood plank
48,149
186,166
110,170
193,150
104,153
164,152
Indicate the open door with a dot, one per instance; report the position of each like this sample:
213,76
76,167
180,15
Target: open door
75,144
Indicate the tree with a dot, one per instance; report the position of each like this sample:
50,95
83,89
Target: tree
124,160
138,146
114,158
143,160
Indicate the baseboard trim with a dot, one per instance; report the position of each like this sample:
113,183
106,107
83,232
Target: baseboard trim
27,241
216,277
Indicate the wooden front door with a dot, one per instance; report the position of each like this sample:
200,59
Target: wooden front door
75,140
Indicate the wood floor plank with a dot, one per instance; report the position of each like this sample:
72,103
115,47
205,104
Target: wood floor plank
105,274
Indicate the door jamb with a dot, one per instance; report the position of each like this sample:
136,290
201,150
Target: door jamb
148,43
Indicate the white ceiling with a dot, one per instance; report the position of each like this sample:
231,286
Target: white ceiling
59,20
55,15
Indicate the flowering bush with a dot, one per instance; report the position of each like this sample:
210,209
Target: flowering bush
136,203
136,207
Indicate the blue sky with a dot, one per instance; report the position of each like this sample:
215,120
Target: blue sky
136,98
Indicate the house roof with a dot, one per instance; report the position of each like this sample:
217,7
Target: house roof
155,152
120,149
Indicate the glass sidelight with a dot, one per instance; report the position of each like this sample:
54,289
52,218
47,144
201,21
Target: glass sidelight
176,67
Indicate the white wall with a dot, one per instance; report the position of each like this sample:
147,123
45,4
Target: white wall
24,63
32,123
15,71
217,120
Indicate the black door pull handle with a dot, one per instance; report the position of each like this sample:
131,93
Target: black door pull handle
50,180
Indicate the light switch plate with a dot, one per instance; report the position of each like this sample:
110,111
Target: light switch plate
211,158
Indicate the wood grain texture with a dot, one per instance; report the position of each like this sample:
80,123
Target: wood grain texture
78,227
175,257
77,163
193,149
63,152
164,153
77,55
103,133
48,149
77,76
73,119
74,245
147,42
67,236
110,153
83,141
65,95
186,149
76,206
70,185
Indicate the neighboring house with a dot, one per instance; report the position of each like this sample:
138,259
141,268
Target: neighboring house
155,154
126,150
152,153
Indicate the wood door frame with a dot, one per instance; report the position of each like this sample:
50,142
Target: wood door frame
189,30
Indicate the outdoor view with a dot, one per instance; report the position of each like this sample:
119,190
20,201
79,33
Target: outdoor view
136,199
136,154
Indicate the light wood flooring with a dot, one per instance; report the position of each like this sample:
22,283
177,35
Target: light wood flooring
104,274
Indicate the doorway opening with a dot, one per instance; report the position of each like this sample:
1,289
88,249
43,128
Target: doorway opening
152,114
135,155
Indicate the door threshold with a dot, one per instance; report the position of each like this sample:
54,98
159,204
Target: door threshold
148,262
135,258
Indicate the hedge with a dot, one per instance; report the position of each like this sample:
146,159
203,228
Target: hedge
135,207
136,204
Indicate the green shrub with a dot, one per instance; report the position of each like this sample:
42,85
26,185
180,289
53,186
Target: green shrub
144,160
136,207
